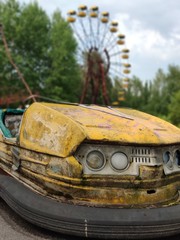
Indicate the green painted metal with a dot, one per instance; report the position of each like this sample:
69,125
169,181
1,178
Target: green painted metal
3,128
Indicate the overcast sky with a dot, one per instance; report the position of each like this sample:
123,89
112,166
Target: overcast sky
152,29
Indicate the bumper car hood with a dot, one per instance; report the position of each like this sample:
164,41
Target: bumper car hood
60,128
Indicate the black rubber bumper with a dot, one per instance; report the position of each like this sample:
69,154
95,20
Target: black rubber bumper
106,223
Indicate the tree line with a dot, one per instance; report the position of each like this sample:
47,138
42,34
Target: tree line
159,97
44,49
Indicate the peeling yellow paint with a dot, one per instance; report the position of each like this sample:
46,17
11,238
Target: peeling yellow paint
68,167
119,125
105,195
47,131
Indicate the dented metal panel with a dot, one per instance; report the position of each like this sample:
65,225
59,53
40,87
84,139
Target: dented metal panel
45,130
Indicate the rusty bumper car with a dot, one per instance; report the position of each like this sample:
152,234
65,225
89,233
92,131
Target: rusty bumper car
91,171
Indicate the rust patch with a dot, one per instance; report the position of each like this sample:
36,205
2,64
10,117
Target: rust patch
148,172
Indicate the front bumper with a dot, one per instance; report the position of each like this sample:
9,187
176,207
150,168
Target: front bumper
97,222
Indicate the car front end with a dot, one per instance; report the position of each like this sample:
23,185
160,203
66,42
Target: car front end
94,172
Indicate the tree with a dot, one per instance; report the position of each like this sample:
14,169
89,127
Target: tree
32,43
9,15
174,109
64,72
134,94
42,47
158,94
163,87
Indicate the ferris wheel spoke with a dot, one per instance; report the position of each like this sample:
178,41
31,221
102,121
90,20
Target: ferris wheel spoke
118,40
112,44
98,31
80,38
91,31
114,70
88,40
104,36
80,50
106,42
101,31
110,48
112,30
117,64
115,54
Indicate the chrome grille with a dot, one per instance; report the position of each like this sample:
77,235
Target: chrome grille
141,151
141,155
141,159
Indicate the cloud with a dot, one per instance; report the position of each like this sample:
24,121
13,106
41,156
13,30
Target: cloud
148,45
176,33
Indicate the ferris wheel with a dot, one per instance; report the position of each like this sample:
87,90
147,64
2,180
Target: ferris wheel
101,53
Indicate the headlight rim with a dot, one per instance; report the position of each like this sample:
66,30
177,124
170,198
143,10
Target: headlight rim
119,170
175,159
104,159
170,160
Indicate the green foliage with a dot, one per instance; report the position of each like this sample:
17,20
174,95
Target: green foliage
174,109
134,94
164,87
159,97
43,48
64,71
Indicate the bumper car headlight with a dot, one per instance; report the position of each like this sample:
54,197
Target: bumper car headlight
95,160
167,160
119,161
